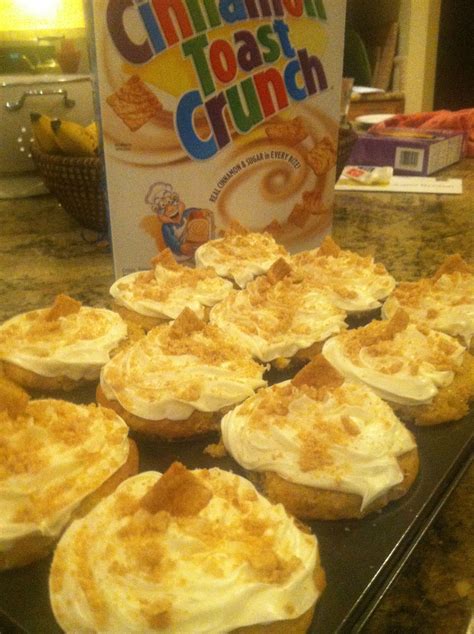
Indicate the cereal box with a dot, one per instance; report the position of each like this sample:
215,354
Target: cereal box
214,111
410,151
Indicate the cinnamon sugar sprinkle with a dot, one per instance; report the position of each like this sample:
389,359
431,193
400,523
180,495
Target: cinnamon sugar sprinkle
453,264
336,267
246,536
276,297
51,325
274,407
166,276
413,294
249,246
30,442
380,339
188,335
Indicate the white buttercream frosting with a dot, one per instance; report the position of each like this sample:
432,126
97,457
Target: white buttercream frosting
53,455
354,283
240,257
75,345
239,561
445,304
165,292
274,320
169,374
408,368
343,439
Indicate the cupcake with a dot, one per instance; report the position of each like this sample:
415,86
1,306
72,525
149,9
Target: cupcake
61,347
279,317
324,447
150,298
427,376
186,551
355,284
240,255
444,302
177,381
58,460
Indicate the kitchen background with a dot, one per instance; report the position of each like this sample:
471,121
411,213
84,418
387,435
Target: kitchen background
428,47
410,49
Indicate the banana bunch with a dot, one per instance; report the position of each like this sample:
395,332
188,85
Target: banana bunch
60,136
43,133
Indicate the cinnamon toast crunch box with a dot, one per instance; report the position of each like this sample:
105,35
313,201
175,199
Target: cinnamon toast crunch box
214,111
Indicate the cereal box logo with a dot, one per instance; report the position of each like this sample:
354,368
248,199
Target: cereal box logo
240,81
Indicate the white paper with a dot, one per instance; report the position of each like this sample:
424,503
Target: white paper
366,90
406,184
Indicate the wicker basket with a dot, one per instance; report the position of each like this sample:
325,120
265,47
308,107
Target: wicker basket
77,184
77,181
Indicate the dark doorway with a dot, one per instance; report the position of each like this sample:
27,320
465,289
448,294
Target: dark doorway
454,85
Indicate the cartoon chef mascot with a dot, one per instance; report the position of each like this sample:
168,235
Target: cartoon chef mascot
173,225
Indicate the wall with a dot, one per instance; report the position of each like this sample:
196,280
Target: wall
421,47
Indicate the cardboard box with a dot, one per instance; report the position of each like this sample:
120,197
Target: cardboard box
213,112
409,151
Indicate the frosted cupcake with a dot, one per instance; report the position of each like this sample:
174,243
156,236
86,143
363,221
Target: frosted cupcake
186,551
240,255
57,460
425,375
355,284
444,302
177,381
324,447
279,317
61,347
149,298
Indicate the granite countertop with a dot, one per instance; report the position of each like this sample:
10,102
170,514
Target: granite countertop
43,252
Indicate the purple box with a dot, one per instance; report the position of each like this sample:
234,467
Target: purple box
410,151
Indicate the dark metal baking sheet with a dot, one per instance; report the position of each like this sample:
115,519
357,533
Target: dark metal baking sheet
360,557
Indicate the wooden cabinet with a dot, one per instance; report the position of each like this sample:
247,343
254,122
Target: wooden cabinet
417,24
387,103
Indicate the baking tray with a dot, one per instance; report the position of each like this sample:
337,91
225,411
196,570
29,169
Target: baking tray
361,557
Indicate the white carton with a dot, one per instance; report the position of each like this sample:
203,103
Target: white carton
214,111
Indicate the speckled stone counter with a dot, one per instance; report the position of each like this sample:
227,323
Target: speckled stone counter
43,252
409,233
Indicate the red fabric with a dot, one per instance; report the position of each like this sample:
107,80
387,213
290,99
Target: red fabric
438,120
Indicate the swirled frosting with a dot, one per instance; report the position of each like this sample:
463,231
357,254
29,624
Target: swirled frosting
75,345
445,303
53,455
353,282
173,371
240,257
342,438
276,319
165,292
238,561
404,363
